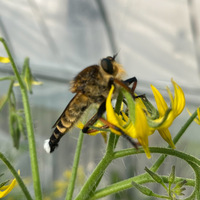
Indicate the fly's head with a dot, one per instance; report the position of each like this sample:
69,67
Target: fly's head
110,68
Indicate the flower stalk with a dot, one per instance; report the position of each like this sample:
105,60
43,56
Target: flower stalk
71,186
29,125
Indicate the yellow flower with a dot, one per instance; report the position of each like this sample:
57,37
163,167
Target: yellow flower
137,128
98,124
27,77
4,190
197,119
4,60
177,105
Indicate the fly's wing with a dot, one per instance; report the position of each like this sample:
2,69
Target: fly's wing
85,78
65,110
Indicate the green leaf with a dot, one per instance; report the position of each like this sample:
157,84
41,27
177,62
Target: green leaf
145,190
172,175
155,176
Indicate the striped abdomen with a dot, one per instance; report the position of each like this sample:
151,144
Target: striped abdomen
69,117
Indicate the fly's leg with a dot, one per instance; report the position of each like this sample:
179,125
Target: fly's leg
93,120
134,81
127,137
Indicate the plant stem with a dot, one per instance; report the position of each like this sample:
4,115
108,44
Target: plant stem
144,178
168,151
95,176
7,78
70,188
196,190
29,125
127,184
18,178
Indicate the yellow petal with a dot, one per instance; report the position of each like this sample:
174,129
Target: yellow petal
198,114
160,102
142,128
4,60
7,189
188,111
167,123
33,82
79,125
104,135
197,120
179,99
167,137
112,117
16,84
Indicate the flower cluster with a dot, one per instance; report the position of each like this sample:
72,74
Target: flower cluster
142,118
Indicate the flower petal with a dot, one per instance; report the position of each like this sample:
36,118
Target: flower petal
160,102
142,129
179,99
112,117
4,60
198,114
167,137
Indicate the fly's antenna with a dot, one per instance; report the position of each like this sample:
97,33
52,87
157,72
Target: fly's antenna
115,55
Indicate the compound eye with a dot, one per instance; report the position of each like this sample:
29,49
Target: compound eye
107,65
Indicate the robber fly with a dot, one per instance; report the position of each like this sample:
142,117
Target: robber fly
91,86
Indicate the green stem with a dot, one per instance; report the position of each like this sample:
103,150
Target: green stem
127,184
144,178
161,159
29,125
184,127
197,186
95,176
168,151
7,78
18,178
196,190
70,189
12,63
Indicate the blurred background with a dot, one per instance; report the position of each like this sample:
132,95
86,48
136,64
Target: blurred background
157,40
